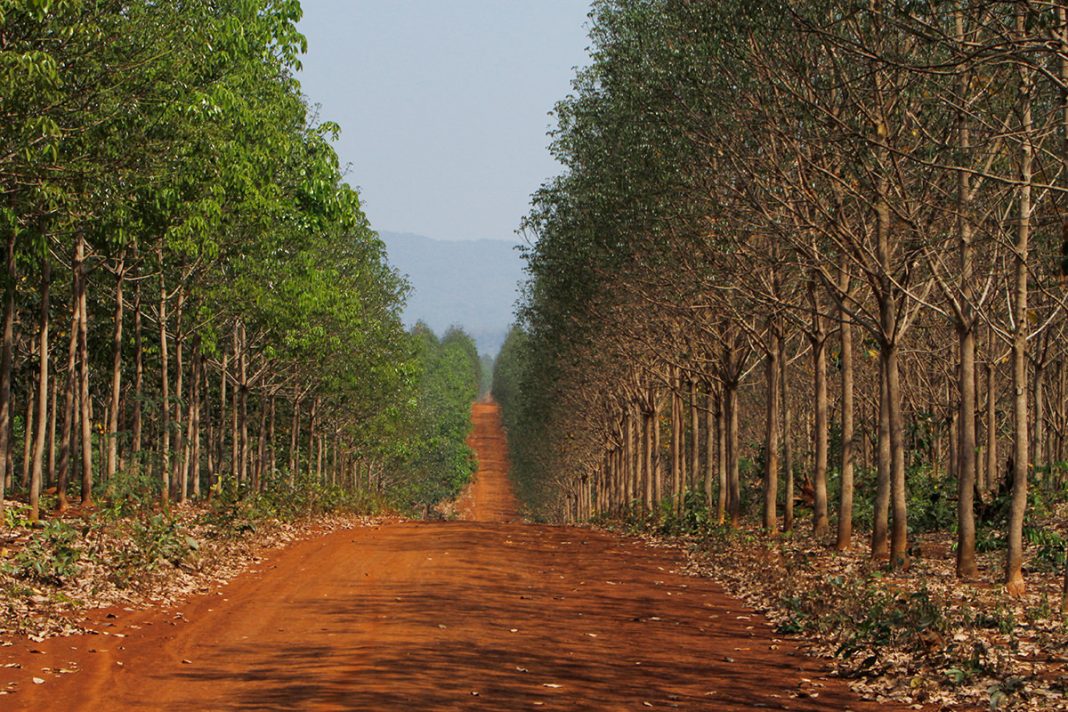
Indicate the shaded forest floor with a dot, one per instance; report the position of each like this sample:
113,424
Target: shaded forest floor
917,637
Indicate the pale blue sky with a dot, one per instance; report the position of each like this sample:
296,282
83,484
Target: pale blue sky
443,104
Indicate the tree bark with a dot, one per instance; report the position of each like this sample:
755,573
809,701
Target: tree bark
139,374
820,517
83,376
880,535
845,501
1014,556
771,431
788,446
42,392
7,347
70,395
710,447
899,557
116,374
165,384
734,498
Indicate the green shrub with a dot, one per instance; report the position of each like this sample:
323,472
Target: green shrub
51,556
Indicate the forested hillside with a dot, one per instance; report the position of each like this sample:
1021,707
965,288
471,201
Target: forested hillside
468,283
803,272
195,308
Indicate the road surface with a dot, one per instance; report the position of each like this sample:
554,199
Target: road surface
486,613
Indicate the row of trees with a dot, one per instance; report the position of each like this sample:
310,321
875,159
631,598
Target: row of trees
822,241
193,299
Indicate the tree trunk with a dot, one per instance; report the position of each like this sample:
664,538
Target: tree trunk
658,470
242,359
880,535
294,436
179,475
273,461
966,459
788,444
677,446
139,373
710,447
6,353
199,386
695,437
845,501
899,557
83,376
42,392
820,517
165,385
771,432
721,456
52,411
734,498
70,396
116,374
1014,556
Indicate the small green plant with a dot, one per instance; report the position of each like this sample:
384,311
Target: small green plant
51,556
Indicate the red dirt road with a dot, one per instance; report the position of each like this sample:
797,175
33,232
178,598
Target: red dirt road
483,614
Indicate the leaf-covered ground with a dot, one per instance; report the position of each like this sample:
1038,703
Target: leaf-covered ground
49,575
921,637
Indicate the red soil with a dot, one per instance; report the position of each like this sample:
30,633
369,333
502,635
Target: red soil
486,614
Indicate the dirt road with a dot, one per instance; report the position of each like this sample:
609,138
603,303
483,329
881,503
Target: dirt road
484,614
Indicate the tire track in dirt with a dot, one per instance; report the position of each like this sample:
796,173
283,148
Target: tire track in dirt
486,613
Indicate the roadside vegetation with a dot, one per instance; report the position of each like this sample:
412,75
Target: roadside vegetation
201,340
798,298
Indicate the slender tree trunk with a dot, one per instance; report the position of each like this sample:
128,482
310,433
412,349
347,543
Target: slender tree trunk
294,449
695,437
83,377
771,432
52,411
70,396
273,461
710,447
992,475
199,387
966,460
179,477
235,438
721,455
165,385
658,469
221,437
6,353
27,435
677,445
880,535
42,392
734,499
788,443
899,557
1014,556
243,395
820,517
139,373
845,502
116,374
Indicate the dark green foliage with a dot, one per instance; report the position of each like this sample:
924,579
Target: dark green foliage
433,461
51,556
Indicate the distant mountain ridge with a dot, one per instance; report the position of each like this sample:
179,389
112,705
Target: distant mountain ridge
469,283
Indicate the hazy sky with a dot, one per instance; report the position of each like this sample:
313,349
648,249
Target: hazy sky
443,104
